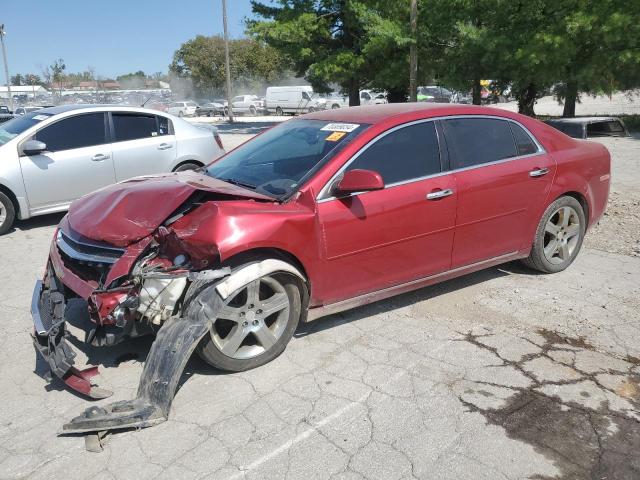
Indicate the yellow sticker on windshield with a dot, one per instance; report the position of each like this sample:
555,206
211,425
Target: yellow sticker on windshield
335,136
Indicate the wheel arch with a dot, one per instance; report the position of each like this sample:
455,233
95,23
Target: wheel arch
263,253
182,162
582,199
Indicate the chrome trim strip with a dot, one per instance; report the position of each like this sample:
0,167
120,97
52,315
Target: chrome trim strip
325,190
35,309
324,310
84,257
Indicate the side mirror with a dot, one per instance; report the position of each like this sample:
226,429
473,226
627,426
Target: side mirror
360,181
34,147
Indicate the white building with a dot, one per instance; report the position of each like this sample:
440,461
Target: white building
29,90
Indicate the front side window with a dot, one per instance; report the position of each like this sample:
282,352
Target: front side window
133,126
277,162
405,154
16,126
474,141
74,132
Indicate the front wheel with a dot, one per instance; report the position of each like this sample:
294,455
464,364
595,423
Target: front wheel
558,237
181,113
7,213
279,111
187,166
253,325
253,111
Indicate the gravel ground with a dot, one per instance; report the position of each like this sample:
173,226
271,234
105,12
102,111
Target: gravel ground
502,374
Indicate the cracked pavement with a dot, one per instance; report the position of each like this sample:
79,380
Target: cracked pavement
502,374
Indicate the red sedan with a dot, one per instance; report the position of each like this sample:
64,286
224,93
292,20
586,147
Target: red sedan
317,215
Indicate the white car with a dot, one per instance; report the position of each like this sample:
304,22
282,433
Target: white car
182,109
371,97
53,156
250,104
337,100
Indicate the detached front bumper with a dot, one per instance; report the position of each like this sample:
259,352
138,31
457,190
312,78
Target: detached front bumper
48,306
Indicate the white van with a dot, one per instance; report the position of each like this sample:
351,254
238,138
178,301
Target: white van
294,99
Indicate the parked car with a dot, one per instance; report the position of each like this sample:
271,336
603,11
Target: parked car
317,215
212,108
434,94
461,97
52,156
337,100
23,110
370,97
182,109
588,127
293,100
247,104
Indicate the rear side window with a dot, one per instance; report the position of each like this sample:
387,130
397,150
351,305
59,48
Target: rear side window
406,154
74,132
474,141
524,143
132,126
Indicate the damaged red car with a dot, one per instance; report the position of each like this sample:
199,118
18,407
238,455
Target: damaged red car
320,214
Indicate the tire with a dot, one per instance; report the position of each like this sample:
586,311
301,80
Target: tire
187,166
559,236
226,111
181,113
334,106
237,343
7,213
279,111
253,111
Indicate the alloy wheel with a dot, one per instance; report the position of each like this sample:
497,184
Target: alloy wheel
252,319
3,214
561,235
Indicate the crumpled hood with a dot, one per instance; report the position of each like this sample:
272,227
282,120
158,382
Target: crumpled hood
128,211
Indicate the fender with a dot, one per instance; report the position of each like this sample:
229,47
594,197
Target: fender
251,272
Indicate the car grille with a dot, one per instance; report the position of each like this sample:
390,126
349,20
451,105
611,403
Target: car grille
87,259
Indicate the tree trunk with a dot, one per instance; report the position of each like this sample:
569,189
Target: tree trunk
527,99
354,93
570,98
476,92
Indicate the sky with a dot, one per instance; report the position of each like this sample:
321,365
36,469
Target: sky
114,36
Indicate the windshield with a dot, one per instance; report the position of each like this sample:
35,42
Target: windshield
16,126
280,160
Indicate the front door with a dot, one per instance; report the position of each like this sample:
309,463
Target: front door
77,161
503,179
143,144
382,238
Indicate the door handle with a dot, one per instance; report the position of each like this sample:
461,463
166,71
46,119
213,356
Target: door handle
538,172
99,157
164,146
438,194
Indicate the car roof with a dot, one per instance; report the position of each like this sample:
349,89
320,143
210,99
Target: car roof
96,107
373,114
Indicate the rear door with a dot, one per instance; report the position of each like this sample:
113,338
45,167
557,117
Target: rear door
382,238
78,160
503,178
143,144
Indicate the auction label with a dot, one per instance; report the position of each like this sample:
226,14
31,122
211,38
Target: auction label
340,127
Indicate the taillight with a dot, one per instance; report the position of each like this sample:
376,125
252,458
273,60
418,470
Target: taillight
218,139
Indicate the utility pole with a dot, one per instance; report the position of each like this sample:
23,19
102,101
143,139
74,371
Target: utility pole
226,58
413,53
6,67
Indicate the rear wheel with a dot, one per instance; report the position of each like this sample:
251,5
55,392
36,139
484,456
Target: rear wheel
7,213
181,113
559,236
187,166
279,111
334,106
253,325
252,110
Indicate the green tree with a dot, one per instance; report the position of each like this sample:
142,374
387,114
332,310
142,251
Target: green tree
17,79
323,40
201,60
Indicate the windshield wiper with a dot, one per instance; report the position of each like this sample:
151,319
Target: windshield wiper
233,181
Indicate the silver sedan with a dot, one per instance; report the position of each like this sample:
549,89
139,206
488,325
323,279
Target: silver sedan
50,157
